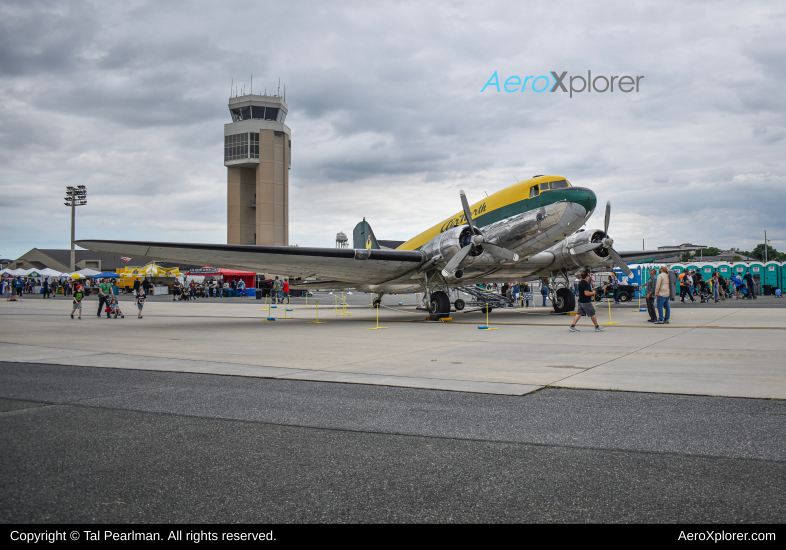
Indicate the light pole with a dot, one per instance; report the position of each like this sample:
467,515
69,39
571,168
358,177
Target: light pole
75,196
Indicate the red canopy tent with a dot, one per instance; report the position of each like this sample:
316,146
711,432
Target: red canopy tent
227,274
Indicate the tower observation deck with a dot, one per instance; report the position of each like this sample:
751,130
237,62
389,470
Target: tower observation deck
257,154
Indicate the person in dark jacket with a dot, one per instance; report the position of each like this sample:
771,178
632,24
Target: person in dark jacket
651,295
749,282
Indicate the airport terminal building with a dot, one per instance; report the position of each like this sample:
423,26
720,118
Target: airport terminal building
257,154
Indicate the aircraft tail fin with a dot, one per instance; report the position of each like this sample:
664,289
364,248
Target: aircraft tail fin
363,236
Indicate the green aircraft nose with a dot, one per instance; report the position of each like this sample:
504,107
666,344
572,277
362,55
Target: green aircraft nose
584,197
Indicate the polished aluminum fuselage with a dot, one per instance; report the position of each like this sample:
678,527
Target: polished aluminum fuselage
527,234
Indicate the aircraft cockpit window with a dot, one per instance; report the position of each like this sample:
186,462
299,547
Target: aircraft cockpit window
562,184
533,191
544,186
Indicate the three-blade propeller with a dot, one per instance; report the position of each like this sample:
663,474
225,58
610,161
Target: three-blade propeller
476,241
608,241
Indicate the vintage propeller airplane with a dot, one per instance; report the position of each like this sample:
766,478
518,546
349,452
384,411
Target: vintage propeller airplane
529,230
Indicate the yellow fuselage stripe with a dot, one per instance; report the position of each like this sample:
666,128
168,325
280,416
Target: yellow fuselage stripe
505,197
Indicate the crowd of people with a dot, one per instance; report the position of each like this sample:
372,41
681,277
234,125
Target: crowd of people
14,288
209,288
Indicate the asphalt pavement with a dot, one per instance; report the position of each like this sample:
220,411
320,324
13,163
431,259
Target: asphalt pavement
83,444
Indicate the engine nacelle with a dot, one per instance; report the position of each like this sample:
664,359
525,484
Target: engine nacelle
450,242
566,257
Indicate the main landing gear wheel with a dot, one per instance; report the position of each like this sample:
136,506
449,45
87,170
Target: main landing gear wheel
377,302
565,301
486,309
438,305
459,304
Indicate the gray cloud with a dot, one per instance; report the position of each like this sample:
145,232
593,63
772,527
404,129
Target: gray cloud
388,120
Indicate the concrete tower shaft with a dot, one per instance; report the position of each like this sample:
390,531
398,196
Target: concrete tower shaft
257,154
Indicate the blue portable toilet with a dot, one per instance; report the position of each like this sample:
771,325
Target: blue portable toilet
740,269
782,282
772,274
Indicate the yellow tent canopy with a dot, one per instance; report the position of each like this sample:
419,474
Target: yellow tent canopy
149,270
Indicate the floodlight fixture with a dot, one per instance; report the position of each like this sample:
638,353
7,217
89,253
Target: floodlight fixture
75,196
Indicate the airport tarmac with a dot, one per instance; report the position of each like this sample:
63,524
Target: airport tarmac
92,445
718,351
204,412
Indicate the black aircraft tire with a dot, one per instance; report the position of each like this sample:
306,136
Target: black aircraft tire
439,305
565,301
459,304
377,302
484,308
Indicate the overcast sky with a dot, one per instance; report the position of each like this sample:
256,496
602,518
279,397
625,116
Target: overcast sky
388,122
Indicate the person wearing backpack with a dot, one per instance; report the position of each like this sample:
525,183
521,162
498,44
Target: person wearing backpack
277,290
687,287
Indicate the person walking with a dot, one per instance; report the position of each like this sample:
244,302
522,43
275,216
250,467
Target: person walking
45,288
104,294
663,293
544,290
715,285
241,288
139,300
192,289
751,288
651,282
77,302
585,306
285,290
687,287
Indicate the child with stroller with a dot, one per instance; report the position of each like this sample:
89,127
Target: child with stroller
112,307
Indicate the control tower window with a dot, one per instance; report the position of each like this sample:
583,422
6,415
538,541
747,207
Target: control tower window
281,115
271,113
236,146
242,113
258,113
254,145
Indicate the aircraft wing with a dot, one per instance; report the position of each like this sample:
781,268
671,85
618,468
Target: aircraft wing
336,264
648,256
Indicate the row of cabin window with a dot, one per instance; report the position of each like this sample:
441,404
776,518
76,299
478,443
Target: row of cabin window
535,189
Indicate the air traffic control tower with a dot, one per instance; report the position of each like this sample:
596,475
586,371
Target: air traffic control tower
257,146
